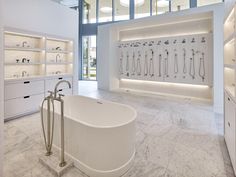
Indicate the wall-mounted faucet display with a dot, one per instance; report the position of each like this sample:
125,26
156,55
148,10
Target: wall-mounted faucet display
174,59
192,65
127,64
133,65
146,64
151,64
166,63
139,70
176,65
202,70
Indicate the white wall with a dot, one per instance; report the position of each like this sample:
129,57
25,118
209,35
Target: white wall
44,16
108,35
229,4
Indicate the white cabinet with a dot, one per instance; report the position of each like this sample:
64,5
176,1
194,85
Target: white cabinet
24,88
34,64
51,83
23,105
230,138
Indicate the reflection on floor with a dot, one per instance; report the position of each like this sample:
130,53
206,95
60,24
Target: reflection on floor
175,138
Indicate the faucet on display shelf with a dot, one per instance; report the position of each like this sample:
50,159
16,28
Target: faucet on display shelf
58,57
58,72
23,60
23,73
24,43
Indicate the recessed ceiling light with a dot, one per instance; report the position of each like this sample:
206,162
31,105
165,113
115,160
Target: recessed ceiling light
69,2
162,3
106,9
138,3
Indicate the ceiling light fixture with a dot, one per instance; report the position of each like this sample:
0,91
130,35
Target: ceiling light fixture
69,3
138,3
106,10
162,3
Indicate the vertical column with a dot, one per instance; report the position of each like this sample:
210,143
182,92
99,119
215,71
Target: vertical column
193,3
80,45
131,9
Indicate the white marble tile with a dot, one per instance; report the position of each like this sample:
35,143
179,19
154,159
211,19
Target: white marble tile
176,137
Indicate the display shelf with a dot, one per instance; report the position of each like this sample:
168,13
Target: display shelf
230,38
231,66
229,85
229,25
58,63
59,51
230,90
229,54
36,56
9,63
24,49
20,41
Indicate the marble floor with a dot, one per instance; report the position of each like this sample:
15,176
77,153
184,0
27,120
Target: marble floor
175,138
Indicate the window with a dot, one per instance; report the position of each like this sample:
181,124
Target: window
89,10
142,8
177,5
105,11
160,7
121,10
208,2
89,63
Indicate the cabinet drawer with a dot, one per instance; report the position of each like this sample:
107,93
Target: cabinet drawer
18,106
63,91
51,83
23,88
230,108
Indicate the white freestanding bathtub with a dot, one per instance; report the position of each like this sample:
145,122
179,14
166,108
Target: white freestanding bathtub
99,135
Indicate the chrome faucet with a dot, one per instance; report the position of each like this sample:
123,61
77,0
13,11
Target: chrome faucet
62,161
23,73
58,84
23,60
24,43
58,57
58,72
48,136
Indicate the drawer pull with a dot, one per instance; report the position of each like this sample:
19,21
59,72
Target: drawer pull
26,82
25,97
228,99
60,78
60,90
228,124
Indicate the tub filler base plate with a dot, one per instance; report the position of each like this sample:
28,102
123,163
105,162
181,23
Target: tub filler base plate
52,163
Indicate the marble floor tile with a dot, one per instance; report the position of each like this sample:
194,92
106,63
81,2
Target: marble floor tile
175,137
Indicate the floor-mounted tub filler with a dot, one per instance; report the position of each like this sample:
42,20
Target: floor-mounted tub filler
99,135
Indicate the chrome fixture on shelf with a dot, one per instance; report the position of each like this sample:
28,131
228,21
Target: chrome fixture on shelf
23,74
23,60
57,57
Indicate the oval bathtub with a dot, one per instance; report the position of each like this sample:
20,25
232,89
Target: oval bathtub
99,135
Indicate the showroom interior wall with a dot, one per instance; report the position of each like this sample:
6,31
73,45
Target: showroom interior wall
108,36
44,17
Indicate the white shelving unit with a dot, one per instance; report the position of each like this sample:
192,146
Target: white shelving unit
33,65
59,56
229,85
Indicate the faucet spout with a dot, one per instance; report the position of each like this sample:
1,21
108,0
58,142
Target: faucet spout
58,84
